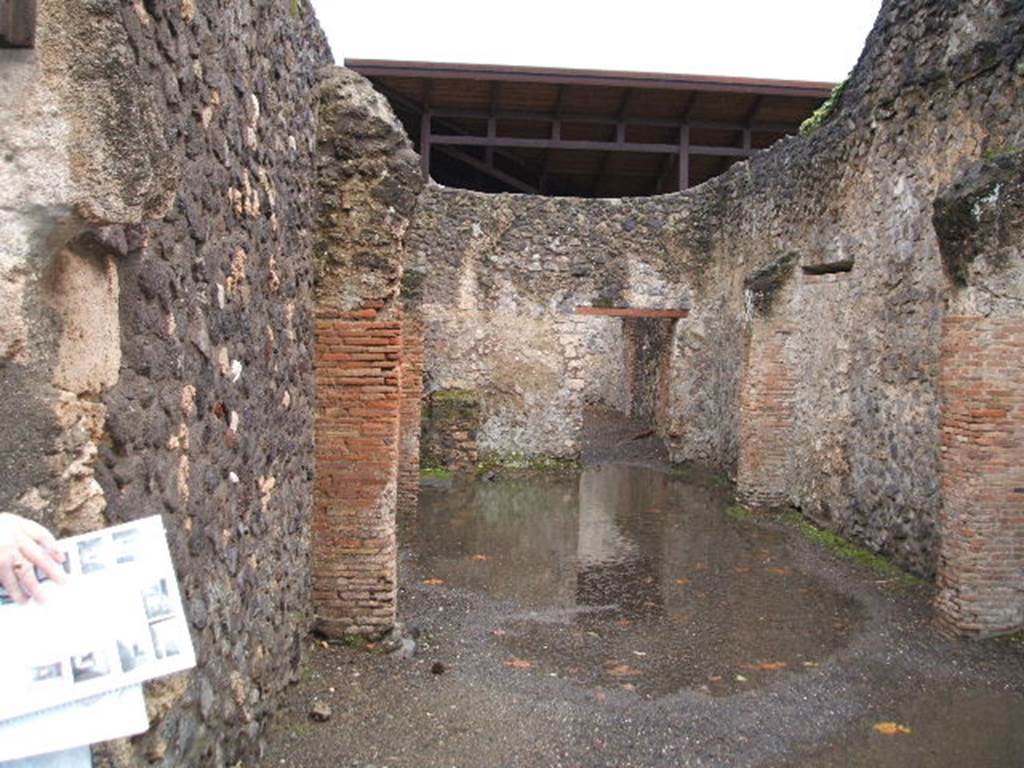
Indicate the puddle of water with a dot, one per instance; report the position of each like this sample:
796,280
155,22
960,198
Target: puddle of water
627,576
949,727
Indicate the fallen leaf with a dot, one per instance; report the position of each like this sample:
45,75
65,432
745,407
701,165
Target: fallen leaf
618,669
742,569
498,632
766,666
778,571
433,582
700,566
480,557
629,686
811,664
715,679
519,663
624,622
740,679
683,580
891,729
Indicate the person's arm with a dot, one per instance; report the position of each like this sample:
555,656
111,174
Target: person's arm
25,544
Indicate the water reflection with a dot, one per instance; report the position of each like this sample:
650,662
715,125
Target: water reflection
630,576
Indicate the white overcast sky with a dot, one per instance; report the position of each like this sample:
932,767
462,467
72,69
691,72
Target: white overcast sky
786,39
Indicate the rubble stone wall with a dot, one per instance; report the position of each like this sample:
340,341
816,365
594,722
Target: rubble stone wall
830,236
451,423
156,338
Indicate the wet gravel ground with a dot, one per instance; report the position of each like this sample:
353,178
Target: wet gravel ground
792,657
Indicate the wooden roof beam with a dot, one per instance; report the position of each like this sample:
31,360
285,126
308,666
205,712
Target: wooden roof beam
418,109
620,138
548,117
615,79
594,146
683,156
546,157
489,169
748,120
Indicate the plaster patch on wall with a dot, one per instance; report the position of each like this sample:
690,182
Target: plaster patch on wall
86,296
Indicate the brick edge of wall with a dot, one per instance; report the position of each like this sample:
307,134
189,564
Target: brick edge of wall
354,563
766,417
981,556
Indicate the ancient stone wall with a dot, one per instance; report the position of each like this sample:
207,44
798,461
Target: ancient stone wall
828,238
156,342
450,432
496,281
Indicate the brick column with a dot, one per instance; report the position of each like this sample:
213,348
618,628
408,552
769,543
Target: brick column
981,557
766,417
357,422
411,414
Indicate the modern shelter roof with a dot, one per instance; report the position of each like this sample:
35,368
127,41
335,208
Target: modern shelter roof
581,132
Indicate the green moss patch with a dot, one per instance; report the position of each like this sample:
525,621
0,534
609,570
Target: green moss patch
438,473
518,463
825,111
739,512
847,549
1000,154
454,396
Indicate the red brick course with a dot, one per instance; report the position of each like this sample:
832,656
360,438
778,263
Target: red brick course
357,427
981,559
766,417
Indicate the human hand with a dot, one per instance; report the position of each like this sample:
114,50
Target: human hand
25,545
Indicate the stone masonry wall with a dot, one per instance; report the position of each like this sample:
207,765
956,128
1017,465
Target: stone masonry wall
451,426
155,343
496,280
830,235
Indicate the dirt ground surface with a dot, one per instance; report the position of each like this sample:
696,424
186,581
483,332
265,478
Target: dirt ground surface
631,616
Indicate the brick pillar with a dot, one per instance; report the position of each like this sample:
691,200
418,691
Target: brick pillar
981,557
411,414
766,417
357,421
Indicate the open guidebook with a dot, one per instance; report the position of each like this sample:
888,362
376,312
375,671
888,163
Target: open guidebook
78,657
